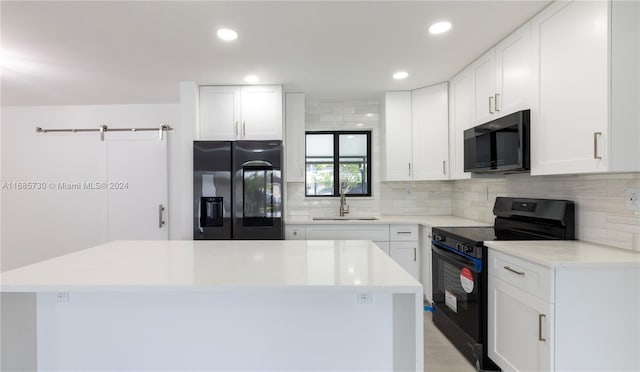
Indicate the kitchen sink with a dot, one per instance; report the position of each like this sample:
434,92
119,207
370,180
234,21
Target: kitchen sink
345,218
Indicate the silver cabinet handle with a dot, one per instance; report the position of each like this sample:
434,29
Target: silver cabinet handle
595,145
414,254
236,126
409,168
514,271
540,338
160,221
244,130
497,104
491,105
403,232
444,167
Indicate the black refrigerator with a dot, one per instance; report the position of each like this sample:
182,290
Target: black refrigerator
237,190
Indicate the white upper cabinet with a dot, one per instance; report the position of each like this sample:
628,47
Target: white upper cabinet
295,137
501,78
240,112
398,152
416,134
513,72
483,72
430,128
459,120
585,114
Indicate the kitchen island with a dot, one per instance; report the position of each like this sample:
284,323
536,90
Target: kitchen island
221,305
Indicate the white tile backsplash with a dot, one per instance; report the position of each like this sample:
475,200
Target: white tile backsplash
601,215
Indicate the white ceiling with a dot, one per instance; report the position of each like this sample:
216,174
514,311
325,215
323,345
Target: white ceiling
89,52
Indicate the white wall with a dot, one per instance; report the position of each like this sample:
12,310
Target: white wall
40,224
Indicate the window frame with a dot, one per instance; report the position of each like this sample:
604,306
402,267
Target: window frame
336,161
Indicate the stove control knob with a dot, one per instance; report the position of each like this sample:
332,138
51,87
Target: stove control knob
468,249
439,238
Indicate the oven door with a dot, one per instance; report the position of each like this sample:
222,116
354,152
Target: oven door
457,287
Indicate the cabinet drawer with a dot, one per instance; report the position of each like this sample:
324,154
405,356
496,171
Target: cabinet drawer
534,279
295,232
351,232
399,233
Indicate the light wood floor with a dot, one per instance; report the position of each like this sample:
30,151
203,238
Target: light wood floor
439,354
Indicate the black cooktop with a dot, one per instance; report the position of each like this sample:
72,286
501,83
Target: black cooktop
474,234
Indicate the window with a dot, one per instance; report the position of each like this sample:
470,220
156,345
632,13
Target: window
347,152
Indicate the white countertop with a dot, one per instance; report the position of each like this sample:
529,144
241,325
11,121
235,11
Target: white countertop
567,253
428,221
216,265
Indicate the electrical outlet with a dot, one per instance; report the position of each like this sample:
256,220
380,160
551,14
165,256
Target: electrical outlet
364,297
408,191
62,296
632,199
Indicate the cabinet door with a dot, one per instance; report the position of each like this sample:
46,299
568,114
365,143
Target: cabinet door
219,113
397,138
569,118
430,129
483,73
261,112
513,72
459,120
295,136
520,328
406,254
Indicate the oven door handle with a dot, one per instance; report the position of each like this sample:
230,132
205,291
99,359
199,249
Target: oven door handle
450,256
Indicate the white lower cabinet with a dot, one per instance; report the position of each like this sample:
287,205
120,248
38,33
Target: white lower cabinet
404,248
520,328
564,318
349,232
406,255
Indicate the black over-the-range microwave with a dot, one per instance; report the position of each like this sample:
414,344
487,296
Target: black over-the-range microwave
499,146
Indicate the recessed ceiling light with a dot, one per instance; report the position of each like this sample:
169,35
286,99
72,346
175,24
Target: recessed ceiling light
227,34
400,75
369,114
359,125
439,28
251,79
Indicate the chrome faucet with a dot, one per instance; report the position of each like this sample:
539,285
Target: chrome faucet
344,207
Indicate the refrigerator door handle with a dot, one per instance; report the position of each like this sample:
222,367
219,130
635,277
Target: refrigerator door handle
257,163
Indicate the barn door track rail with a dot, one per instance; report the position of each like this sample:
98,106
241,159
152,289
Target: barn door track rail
103,128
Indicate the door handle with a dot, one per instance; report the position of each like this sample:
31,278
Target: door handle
514,271
160,221
595,145
540,317
414,255
236,129
409,168
244,130
497,104
491,105
444,167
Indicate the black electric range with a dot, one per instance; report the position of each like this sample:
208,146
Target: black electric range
459,267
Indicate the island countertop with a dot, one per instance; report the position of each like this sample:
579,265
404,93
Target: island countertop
215,265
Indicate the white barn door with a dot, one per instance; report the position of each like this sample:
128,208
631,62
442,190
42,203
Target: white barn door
136,186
